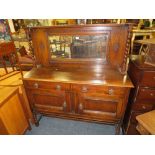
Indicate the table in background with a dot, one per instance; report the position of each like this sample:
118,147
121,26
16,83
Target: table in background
146,123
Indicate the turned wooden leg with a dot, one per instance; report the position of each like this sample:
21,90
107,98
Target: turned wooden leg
117,128
37,120
37,124
29,127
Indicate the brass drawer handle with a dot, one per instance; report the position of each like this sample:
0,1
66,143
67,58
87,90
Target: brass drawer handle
84,89
64,106
80,106
36,85
151,94
58,87
111,91
143,107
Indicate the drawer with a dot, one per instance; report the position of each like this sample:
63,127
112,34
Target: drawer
99,89
144,107
146,94
148,79
46,85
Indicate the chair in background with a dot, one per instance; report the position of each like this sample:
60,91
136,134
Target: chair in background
26,60
142,31
8,58
145,34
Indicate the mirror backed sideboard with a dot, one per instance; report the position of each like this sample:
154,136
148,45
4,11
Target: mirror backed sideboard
81,72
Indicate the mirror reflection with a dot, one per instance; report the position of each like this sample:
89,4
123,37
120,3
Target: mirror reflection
84,46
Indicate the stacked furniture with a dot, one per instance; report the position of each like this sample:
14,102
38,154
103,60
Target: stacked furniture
81,88
142,97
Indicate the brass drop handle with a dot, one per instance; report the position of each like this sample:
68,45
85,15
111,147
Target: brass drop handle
143,107
58,87
64,106
84,89
151,94
80,106
111,91
36,85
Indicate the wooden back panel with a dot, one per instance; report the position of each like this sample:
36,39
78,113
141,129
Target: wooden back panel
118,46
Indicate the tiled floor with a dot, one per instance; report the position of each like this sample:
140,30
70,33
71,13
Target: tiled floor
57,126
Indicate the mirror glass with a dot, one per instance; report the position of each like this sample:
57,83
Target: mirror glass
78,46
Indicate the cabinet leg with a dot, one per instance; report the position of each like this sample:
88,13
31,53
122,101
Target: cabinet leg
29,127
37,123
37,120
117,129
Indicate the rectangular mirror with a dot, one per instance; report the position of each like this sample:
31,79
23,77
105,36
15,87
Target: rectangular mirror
78,46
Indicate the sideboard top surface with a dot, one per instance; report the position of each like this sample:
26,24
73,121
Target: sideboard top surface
108,77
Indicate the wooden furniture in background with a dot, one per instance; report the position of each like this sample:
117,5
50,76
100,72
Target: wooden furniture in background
12,115
8,57
63,21
146,46
140,32
14,79
142,97
146,123
86,87
26,60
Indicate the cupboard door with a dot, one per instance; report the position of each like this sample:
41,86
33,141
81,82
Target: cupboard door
99,105
48,101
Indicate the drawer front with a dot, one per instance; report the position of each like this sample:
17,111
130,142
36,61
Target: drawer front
50,101
146,94
142,106
148,79
46,85
106,90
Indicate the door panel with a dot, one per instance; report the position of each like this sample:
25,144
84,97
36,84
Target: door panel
98,105
49,100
